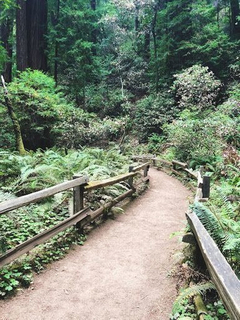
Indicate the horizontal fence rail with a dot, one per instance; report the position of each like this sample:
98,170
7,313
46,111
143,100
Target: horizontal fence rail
10,205
203,189
81,216
224,278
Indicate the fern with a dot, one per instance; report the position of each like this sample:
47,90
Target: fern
211,223
191,292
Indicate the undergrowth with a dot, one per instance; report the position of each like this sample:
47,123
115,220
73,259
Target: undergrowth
36,171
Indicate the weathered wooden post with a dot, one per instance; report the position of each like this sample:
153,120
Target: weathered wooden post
206,187
146,171
130,180
154,161
78,196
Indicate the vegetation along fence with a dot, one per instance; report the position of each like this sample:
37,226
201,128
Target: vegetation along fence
81,216
224,278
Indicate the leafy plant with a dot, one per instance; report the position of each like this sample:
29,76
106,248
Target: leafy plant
212,223
38,106
189,293
152,113
197,88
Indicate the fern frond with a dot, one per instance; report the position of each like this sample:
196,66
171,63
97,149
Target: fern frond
191,292
211,223
233,244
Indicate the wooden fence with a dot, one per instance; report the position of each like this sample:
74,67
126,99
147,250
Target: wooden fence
224,278
81,216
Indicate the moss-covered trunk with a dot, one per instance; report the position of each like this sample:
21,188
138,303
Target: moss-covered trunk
16,125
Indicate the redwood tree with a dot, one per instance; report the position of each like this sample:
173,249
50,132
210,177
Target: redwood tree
21,36
31,32
5,33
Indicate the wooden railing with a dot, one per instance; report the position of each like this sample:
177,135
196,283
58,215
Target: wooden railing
224,278
81,216
203,184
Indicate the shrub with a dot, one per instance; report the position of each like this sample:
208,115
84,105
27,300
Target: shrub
152,113
196,88
104,101
37,105
78,128
195,140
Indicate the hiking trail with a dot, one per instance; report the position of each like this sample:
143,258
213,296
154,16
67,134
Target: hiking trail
122,271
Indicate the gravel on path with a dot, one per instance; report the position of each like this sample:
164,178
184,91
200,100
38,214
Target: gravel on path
123,270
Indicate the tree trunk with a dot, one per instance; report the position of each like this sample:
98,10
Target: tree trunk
235,24
147,46
155,49
16,125
5,33
93,4
36,14
55,21
21,36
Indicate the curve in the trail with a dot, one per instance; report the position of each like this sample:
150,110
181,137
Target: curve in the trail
121,272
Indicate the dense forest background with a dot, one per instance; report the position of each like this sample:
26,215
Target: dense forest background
113,59
90,82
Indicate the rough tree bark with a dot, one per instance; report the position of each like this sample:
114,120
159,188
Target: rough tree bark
235,23
5,33
36,19
16,125
21,36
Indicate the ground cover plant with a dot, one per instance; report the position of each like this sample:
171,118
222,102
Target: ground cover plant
22,175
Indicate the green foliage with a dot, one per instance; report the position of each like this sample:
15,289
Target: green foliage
3,57
38,106
152,113
72,31
185,294
203,147
184,311
38,170
104,101
216,311
228,216
212,223
155,143
196,88
78,128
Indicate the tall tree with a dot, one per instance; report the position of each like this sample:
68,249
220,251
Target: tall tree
16,126
6,38
235,18
6,28
31,30
36,15
21,35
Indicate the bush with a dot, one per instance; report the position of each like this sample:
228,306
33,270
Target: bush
78,128
195,140
105,101
196,88
152,113
37,105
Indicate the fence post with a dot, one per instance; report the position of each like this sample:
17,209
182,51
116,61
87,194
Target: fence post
146,171
206,187
78,193
130,180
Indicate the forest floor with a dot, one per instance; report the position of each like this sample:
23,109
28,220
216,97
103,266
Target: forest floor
122,272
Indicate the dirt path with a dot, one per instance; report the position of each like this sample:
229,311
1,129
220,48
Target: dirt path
121,272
